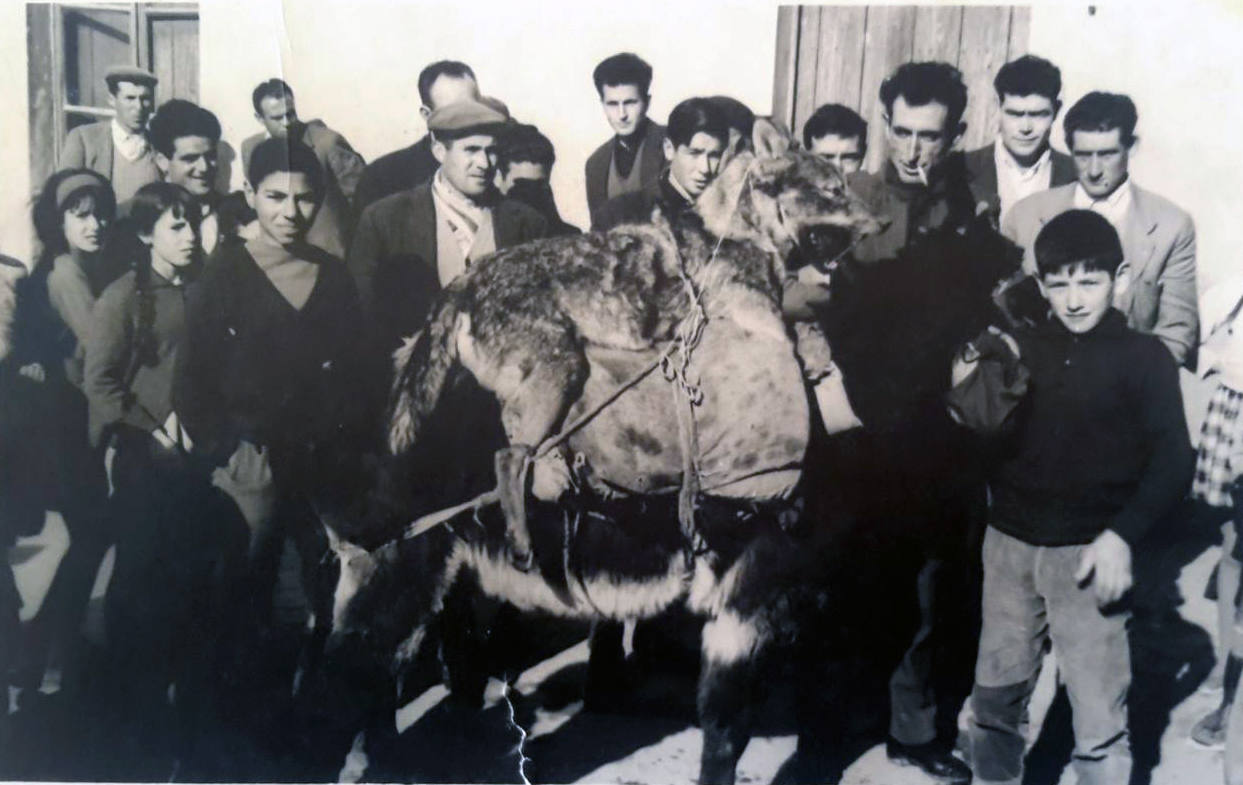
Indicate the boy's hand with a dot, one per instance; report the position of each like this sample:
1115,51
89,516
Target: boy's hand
1107,563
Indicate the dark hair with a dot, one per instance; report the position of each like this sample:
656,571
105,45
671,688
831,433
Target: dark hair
623,68
521,143
114,82
49,212
1078,237
272,88
737,114
151,202
1099,111
284,155
1028,75
838,120
697,115
920,84
179,118
429,75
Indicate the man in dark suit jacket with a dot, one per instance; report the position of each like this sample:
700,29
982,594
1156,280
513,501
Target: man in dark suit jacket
1158,238
440,84
118,148
632,158
410,244
699,132
275,109
1020,161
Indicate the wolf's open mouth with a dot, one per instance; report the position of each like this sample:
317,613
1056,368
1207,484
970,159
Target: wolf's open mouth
824,243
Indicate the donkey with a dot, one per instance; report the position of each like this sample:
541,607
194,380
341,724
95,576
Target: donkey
687,491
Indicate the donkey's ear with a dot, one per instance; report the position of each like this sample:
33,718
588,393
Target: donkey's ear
769,138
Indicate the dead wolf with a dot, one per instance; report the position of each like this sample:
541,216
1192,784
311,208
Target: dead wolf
524,321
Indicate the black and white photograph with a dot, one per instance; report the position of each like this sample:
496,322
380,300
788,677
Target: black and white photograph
639,393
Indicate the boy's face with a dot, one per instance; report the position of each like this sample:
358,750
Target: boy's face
844,152
694,165
284,203
1080,298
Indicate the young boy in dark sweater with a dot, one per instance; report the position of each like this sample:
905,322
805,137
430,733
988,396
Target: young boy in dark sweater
1094,454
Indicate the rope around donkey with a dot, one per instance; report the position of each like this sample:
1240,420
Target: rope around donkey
675,370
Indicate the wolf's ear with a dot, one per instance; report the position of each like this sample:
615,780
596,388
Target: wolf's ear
769,139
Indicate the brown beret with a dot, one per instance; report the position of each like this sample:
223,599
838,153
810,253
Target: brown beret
130,73
482,115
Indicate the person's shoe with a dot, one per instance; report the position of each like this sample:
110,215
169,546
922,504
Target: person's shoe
932,759
1210,731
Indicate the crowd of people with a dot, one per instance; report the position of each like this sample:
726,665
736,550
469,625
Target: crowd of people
181,367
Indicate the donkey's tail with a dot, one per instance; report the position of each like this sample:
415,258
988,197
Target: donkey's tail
422,366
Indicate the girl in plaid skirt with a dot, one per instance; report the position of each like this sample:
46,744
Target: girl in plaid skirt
1219,464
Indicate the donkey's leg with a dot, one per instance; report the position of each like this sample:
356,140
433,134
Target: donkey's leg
726,694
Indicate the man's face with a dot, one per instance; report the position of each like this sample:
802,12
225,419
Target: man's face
278,115
468,163
918,138
1081,298
624,106
1101,160
1025,124
284,203
193,164
844,152
693,165
133,104
520,170
449,90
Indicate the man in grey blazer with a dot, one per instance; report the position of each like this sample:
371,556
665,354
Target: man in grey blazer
1158,238
118,148
634,156
1020,161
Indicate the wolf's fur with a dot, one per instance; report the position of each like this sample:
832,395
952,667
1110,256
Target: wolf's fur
519,320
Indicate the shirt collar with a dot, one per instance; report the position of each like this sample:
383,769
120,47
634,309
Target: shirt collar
1117,202
673,182
121,134
1004,160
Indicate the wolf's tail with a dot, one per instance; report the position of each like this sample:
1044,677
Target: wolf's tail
422,366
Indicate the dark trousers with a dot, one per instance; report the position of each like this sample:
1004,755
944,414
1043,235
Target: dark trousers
178,546
80,495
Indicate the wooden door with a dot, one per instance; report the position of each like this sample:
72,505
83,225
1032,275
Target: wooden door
172,52
841,54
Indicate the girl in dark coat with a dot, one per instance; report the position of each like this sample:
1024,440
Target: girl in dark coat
161,602
71,216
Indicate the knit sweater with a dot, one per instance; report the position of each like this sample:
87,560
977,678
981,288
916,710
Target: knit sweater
253,367
120,388
1099,442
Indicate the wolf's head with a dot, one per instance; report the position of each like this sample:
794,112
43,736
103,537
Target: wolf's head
785,199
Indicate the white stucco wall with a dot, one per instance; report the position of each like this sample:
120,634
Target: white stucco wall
355,65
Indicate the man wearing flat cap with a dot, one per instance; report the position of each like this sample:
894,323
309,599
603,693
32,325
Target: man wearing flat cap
118,148
411,243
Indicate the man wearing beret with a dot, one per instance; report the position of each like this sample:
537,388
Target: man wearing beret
410,244
118,148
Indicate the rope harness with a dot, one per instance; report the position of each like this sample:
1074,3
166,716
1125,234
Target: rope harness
674,362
